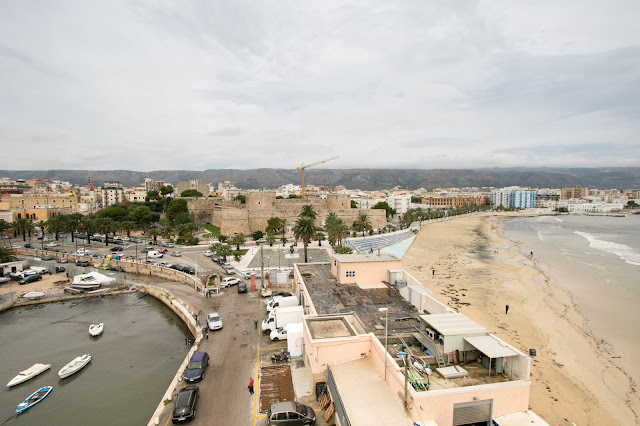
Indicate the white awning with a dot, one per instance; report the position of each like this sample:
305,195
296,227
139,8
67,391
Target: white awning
490,346
453,324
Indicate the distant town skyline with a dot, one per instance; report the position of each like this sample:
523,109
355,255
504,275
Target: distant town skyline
200,85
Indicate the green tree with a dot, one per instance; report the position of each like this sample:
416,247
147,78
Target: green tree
383,205
105,226
256,235
71,222
191,193
222,250
4,226
41,225
308,210
238,240
166,190
223,238
240,197
141,216
115,212
274,224
153,234
320,238
7,255
86,226
342,250
55,225
271,238
176,207
416,200
305,230
127,226
354,205
293,196
362,224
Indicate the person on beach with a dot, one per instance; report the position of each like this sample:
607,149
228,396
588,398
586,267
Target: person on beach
433,272
250,385
506,309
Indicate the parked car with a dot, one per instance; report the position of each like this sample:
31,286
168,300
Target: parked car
146,249
46,257
165,264
189,270
116,248
62,260
16,276
29,246
290,413
281,293
229,281
185,405
167,244
214,321
116,268
30,271
228,269
242,287
278,334
176,253
208,253
177,267
30,279
82,263
52,244
4,280
215,258
154,254
195,369
59,269
245,274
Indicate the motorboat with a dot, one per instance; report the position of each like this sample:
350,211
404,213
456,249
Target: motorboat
33,399
32,295
74,366
91,280
96,329
29,373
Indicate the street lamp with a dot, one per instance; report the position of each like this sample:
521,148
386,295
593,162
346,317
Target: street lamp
386,339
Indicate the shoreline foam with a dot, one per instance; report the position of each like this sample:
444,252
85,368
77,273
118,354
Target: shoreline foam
479,271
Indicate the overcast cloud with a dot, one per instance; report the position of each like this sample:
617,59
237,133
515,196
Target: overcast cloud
244,84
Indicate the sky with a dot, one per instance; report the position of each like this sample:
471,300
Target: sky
242,84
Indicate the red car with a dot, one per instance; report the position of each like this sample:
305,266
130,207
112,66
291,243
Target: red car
161,250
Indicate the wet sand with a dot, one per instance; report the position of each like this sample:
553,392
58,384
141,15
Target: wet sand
478,271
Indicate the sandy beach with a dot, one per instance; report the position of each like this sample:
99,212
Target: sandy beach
478,271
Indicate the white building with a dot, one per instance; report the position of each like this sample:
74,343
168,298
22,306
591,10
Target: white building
400,202
112,193
597,207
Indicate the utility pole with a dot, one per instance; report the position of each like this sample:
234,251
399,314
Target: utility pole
406,384
261,269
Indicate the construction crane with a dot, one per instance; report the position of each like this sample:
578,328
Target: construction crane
303,166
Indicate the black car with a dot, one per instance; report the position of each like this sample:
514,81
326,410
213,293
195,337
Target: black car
281,293
28,246
59,269
185,406
82,263
30,279
242,287
116,248
177,267
189,270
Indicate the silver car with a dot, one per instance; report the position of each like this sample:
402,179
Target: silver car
290,413
214,321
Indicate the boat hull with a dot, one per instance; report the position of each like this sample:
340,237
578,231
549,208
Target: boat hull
28,374
74,366
96,329
33,399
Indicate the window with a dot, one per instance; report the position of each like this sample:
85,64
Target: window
294,416
351,273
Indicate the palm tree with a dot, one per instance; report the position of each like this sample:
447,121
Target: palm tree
320,238
22,226
237,240
153,233
71,222
7,255
271,239
305,230
87,225
222,250
55,225
307,210
42,224
127,226
105,226
283,226
362,224
341,232
4,225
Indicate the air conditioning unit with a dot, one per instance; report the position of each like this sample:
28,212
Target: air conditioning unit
401,283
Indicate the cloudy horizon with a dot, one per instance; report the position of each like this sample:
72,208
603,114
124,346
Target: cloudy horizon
413,85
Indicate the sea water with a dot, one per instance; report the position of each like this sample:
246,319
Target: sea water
133,361
597,260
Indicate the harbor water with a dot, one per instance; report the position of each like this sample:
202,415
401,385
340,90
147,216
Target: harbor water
133,361
597,260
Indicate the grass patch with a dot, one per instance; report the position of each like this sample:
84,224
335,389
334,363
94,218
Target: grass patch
214,230
240,252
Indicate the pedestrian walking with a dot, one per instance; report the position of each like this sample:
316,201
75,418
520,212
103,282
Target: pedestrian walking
206,335
433,272
250,385
186,341
255,324
506,309
531,254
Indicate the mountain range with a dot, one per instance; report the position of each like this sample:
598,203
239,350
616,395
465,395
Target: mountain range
364,179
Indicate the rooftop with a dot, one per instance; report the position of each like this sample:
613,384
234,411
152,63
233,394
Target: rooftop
350,258
452,324
329,297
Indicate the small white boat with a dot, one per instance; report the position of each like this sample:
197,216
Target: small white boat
74,366
33,295
29,373
33,399
91,280
96,329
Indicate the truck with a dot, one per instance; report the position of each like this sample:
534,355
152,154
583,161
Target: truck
281,317
282,302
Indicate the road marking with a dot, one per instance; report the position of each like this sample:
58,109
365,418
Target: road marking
270,348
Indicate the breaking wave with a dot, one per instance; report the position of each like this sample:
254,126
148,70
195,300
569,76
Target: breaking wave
624,252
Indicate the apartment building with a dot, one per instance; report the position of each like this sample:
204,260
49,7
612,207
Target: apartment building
199,186
112,193
513,197
571,193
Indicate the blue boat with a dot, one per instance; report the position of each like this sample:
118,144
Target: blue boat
33,399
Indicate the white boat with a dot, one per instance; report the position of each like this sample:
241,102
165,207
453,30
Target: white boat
29,373
33,295
91,280
74,366
33,399
96,329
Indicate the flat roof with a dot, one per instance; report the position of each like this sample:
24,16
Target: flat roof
330,297
367,399
454,324
490,346
326,328
365,257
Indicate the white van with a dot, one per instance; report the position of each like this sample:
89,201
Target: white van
154,254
